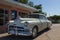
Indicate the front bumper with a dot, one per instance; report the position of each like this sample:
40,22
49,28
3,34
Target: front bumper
22,33
16,30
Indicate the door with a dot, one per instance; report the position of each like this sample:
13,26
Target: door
43,21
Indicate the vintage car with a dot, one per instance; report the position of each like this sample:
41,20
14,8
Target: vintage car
31,25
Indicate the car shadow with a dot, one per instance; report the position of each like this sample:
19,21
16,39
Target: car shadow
11,37
43,31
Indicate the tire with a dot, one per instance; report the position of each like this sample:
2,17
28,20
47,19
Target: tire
34,32
48,28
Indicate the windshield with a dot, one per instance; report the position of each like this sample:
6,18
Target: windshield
30,16
34,16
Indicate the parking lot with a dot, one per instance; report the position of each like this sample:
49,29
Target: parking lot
52,34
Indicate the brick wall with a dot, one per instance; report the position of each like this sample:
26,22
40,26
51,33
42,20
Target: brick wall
3,29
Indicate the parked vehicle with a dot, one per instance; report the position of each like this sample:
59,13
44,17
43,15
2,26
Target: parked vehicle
28,26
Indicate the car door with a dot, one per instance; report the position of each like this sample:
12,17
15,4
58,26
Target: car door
43,21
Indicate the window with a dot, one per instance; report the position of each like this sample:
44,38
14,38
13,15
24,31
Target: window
1,12
20,14
1,16
13,14
33,16
42,17
23,15
15,0
6,16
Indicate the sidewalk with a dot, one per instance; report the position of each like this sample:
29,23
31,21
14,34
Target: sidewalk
4,34
53,34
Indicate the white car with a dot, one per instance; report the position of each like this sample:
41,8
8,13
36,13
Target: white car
28,26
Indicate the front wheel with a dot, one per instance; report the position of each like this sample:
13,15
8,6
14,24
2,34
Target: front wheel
34,32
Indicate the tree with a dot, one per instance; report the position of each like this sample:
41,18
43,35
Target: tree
40,9
38,6
44,13
54,19
23,1
31,3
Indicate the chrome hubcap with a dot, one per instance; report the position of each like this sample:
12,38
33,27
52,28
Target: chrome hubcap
34,32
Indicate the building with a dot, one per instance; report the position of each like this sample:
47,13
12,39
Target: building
10,9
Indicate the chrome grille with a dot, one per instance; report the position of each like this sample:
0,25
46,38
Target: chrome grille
17,29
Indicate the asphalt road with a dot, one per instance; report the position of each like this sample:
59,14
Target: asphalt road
52,34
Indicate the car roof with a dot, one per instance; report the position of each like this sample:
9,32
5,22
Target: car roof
38,14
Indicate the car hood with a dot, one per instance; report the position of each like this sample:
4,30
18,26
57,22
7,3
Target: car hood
22,21
28,19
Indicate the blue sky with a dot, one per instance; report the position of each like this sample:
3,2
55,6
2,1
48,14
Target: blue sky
51,7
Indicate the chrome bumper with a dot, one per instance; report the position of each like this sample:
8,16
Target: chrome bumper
16,30
22,33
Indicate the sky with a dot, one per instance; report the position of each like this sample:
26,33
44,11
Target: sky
51,7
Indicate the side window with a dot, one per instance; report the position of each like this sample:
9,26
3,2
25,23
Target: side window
33,16
42,17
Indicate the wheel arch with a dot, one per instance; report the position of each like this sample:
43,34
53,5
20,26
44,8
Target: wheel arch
36,27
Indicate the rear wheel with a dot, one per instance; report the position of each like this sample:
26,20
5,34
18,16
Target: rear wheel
48,28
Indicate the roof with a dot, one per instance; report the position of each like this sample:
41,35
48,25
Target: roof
37,13
17,4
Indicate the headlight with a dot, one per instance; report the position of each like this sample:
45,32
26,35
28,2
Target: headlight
26,23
